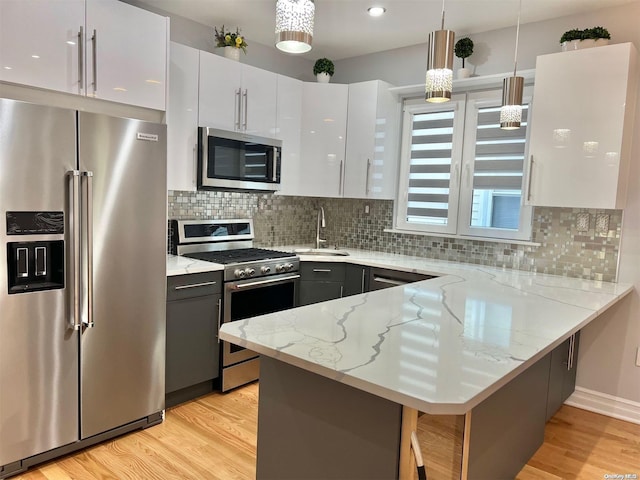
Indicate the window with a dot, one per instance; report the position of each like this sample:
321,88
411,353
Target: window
460,173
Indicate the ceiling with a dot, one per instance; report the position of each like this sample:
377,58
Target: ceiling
343,28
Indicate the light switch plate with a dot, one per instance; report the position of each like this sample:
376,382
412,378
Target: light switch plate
602,224
582,222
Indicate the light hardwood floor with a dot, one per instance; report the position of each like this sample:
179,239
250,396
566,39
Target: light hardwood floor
214,437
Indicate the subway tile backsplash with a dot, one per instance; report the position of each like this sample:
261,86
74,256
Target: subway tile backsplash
568,246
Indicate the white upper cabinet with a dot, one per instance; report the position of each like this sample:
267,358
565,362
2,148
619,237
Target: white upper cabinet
50,45
323,139
182,118
372,141
126,54
236,97
288,129
582,116
39,43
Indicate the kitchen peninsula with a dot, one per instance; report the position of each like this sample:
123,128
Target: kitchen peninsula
343,383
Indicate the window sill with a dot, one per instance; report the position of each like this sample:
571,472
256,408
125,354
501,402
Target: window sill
463,237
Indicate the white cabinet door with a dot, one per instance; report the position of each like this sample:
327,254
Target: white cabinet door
182,118
39,43
259,89
372,141
324,124
581,127
289,118
126,54
220,90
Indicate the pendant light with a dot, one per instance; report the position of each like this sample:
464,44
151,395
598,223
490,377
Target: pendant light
511,111
294,25
439,81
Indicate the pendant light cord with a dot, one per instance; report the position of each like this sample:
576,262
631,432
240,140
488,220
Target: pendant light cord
442,26
515,57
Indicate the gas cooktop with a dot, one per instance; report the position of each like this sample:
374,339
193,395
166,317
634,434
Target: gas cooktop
239,255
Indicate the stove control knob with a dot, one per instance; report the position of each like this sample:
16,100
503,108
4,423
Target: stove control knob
288,266
265,269
239,273
250,272
279,268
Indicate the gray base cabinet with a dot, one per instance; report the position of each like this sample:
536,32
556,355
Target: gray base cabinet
562,374
356,279
192,362
321,281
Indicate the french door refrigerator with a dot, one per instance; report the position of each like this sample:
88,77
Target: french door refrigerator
82,279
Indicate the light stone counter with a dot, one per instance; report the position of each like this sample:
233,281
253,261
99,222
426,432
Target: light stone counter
440,346
177,265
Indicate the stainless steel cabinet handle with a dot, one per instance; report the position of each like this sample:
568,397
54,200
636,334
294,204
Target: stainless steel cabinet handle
322,270
366,178
529,179
238,120
389,281
341,290
362,282
340,188
572,341
245,101
94,41
219,318
89,219
264,282
81,58
75,248
194,285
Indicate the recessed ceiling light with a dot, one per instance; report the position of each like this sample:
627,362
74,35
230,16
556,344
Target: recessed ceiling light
35,56
376,11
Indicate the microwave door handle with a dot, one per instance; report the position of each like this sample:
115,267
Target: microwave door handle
274,165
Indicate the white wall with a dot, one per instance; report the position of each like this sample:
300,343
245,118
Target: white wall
608,345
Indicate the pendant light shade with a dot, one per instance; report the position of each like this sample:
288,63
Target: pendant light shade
512,87
439,81
511,111
294,25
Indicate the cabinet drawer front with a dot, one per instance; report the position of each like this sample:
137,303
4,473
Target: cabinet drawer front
193,285
327,272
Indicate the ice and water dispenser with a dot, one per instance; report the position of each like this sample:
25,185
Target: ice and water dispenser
35,265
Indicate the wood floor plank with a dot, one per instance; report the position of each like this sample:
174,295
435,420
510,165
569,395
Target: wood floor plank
214,438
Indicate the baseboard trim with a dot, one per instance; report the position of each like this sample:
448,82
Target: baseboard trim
605,404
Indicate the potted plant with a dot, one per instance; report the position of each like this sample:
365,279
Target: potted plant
576,39
232,42
463,49
323,70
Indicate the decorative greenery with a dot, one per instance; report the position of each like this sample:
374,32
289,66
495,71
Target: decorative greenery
323,65
230,39
588,33
464,48
595,33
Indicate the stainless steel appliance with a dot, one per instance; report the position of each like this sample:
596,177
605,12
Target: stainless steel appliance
237,161
256,281
82,279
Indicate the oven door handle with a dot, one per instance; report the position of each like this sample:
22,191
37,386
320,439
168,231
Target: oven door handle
264,282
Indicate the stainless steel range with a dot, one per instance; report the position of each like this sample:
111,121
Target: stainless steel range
256,281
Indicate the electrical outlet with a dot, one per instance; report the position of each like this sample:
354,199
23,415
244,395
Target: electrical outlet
367,209
638,357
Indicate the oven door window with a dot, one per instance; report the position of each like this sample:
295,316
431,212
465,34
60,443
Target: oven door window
260,301
237,160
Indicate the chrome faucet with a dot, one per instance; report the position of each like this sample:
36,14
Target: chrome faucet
321,224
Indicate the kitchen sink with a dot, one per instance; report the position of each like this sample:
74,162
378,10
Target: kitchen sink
326,252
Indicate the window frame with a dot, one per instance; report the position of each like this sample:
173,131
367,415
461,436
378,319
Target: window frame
462,165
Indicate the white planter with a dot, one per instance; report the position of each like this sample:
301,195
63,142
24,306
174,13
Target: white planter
323,77
464,72
582,44
232,53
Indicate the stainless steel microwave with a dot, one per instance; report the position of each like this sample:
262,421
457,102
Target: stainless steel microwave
237,161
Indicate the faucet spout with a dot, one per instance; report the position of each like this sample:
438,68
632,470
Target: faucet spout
321,224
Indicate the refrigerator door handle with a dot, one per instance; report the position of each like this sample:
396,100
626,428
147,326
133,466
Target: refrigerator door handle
88,322
74,175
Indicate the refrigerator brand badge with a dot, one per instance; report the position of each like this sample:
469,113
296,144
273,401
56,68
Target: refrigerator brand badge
149,137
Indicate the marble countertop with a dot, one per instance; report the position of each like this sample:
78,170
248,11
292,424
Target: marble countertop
177,265
441,345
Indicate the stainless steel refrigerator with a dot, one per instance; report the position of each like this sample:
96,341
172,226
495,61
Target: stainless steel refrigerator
82,279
